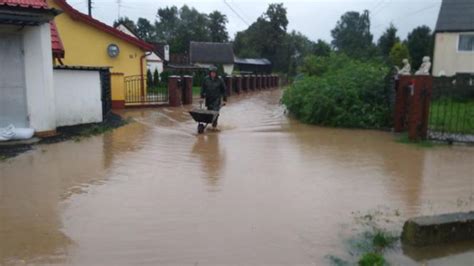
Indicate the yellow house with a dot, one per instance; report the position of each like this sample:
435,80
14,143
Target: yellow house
89,42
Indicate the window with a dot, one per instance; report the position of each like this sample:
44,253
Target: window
466,42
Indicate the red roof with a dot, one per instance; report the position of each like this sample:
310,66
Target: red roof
99,25
56,43
25,3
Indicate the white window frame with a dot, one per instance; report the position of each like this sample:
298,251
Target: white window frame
459,40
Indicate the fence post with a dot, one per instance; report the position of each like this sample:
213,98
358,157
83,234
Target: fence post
187,90
118,90
238,84
400,111
228,85
245,82
174,91
420,98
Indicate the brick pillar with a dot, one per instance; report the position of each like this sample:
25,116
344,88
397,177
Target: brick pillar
270,84
238,84
174,91
258,79
187,90
228,84
247,83
401,103
272,80
264,84
420,99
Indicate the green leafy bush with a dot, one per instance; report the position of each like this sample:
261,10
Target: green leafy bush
372,259
341,92
399,52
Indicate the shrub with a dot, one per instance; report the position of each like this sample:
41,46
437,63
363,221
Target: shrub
156,78
399,52
149,78
372,259
341,92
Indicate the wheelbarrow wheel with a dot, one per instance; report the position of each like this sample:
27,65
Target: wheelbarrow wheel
200,128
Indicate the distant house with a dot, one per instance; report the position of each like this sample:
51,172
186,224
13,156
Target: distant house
156,58
253,65
454,38
26,70
89,42
205,54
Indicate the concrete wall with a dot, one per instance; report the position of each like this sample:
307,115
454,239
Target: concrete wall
448,59
78,97
39,78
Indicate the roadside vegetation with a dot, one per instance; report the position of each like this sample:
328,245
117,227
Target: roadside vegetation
370,240
340,91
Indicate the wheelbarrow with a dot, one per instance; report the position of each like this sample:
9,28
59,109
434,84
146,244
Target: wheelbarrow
203,117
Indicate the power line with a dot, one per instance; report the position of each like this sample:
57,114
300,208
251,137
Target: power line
410,14
382,7
235,12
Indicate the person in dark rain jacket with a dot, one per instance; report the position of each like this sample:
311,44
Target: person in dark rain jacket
214,91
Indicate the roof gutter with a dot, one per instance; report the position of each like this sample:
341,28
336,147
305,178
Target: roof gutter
142,83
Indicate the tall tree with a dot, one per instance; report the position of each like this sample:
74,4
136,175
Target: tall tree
420,44
321,48
297,47
127,22
266,37
192,27
166,26
179,27
217,27
145,30
352,34
387,40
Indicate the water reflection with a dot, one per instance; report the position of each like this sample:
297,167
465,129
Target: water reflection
211,156
34,186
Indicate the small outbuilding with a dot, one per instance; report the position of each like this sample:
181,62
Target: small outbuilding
205,54
26,70
253,65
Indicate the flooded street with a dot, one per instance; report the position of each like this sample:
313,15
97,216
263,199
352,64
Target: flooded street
264,190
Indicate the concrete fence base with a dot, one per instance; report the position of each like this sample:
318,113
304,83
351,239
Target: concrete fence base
439,229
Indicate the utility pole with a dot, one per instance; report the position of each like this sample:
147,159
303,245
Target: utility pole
89,6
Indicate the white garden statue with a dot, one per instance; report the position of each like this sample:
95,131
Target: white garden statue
425,67
406,70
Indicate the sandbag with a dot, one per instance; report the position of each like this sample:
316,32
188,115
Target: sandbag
7,133
12,133
23,133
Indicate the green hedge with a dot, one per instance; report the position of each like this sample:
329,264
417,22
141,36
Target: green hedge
341,92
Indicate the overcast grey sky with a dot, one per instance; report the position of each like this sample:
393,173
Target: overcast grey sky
314,18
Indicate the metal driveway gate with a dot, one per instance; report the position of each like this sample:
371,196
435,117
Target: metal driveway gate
139,91
452,109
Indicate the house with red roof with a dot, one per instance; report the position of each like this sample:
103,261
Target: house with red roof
26,71
86,41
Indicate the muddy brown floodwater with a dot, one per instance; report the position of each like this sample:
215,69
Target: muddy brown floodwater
264,190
